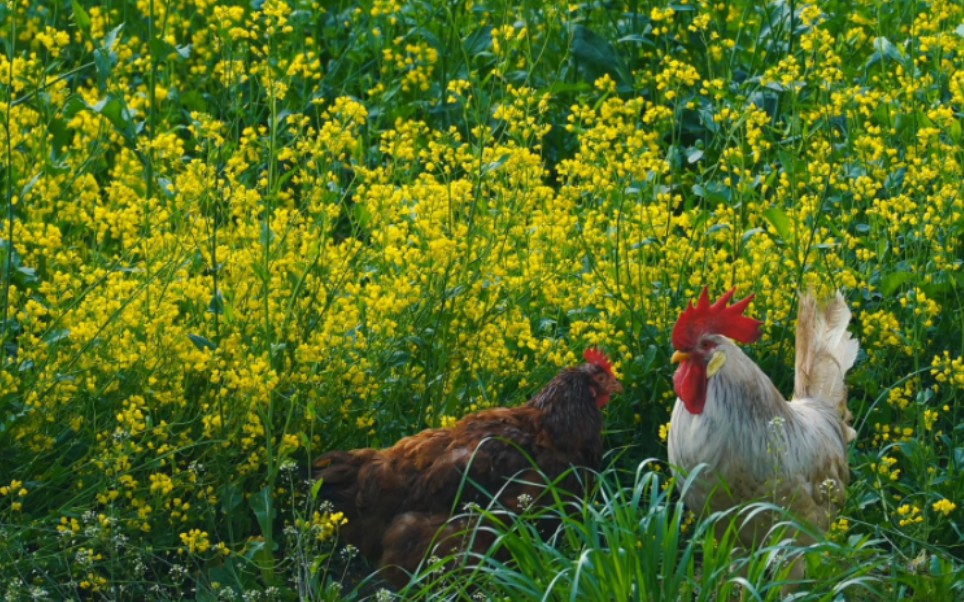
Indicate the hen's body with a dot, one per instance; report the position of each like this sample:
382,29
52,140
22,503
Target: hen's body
396,499
759,447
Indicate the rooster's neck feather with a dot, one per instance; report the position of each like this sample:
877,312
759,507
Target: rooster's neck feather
742,392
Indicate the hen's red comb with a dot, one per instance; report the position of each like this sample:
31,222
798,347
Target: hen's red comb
715,319
597,358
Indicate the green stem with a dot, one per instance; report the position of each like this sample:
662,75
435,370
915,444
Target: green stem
8,263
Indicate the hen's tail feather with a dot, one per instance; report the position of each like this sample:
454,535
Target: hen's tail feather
825,351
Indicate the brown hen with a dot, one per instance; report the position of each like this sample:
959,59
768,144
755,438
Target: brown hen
398,499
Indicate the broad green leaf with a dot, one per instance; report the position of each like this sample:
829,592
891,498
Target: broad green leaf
494,165
595,54
105,58
201,342
117,113
478,41
81,18
750,234
315,488
780,221
693,155
891,282
57,335
713,191
262,504
954,131
217,304
231,497
884,49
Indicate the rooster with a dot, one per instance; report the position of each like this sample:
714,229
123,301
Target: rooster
399,500
756,445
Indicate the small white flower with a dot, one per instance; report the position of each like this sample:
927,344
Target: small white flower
383,595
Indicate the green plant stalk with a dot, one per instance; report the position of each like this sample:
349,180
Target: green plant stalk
8,263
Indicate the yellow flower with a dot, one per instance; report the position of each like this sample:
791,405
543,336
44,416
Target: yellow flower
911,515
664,431
161,483
196,541
944,506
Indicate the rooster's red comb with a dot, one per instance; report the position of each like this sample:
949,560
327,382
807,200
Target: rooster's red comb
715,319
597,358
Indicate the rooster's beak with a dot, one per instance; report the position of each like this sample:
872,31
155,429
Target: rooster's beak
679,356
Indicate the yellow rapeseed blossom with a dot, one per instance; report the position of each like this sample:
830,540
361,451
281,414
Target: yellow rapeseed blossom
664,431
910,515
944,506
195,541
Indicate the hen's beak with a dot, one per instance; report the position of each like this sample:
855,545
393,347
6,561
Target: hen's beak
679,356
617,386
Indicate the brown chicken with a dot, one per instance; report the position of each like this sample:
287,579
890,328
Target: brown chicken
397,499
755,445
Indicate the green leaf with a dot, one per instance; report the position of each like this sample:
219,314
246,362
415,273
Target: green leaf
57,335
29,185
644,38
81,18
165,51
231,498
884,49
494,165
116,112
478,41
201,342
262,504
597,56
110,40
780,221
267,236
559,87
217,304
891,282
713,191
105,58
954,131
254,550
750,234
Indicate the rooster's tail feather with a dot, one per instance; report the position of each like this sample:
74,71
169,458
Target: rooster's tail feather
825,351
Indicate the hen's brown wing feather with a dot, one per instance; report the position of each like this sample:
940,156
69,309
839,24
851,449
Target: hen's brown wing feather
424,473
483,451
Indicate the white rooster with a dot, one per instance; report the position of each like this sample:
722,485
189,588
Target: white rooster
730,417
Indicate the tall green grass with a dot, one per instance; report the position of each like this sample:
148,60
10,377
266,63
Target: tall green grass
633,540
